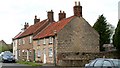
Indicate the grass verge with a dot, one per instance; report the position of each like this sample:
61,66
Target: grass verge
29,63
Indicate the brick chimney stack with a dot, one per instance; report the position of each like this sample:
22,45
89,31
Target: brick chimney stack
62,15
50,16
77,9
36,20
26,26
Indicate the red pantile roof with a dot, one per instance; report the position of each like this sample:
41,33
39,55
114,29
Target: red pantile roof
56,26
17,35
33,28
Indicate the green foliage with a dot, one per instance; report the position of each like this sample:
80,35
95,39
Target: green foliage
103,28
116,37
28,63
4,48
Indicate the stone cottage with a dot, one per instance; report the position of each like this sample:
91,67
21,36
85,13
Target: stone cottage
66,41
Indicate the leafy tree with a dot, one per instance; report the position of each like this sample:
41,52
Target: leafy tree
116,37
104,30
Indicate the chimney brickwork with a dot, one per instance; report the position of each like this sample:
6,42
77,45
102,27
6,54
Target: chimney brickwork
62,15
26,26
51,16
77,9
36,20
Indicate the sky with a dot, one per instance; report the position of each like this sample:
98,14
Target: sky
14,13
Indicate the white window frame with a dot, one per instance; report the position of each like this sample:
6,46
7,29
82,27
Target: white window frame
38,53
30,52
15,42
50,40
23,41
44,41
50,52
30,39
38,42
23,50
19,41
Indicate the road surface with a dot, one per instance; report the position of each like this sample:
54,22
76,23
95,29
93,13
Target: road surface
16,65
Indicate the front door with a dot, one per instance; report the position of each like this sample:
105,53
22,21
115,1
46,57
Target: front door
34,55
16,54
44,53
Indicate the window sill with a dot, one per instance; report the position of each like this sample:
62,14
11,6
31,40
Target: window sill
38,45
38,57
44,44
50,43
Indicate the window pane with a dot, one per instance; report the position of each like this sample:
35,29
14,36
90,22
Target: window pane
107,63
39,54
44,41
98,63
38,42
92,62
50,52
30,39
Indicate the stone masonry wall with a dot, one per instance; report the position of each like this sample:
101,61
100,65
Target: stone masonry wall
78,36
80,59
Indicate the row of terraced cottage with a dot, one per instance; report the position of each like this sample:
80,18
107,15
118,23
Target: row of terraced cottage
60,42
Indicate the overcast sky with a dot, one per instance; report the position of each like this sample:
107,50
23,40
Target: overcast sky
14,13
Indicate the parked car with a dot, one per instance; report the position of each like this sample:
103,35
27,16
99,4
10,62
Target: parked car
1,56
7,56
103,63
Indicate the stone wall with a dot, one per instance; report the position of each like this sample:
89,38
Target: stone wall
78,36
80,59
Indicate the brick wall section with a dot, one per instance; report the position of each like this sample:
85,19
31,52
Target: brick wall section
77,36
41,47
26,46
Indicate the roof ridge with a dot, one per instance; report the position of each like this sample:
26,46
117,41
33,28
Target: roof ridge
42,24
48,31
42,30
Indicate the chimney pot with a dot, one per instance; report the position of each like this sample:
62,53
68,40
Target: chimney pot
25,26
60,11
79,3
36,20
62,15
35,16
50,15
75,3
77,10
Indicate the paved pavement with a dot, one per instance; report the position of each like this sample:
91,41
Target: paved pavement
16,65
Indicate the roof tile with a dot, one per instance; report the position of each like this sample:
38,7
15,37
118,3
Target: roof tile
49,31
33,28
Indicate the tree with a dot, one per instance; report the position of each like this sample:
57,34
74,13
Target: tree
116,37
104,30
